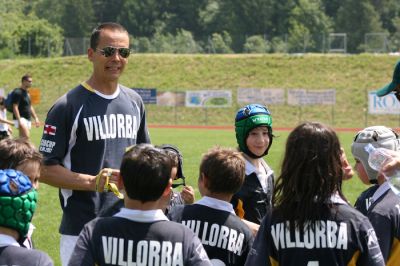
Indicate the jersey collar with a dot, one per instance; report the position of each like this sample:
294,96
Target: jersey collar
6,240
106,96
142,216
380,191
216,204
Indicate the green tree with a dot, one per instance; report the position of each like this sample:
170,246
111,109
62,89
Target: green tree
356,18
77,18
308,26
53,14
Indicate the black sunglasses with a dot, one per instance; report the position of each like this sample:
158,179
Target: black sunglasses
110,51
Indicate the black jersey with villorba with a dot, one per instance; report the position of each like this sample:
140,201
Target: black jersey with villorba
86,131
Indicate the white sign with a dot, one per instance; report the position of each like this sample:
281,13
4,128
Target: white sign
383,105
209,98
262,96
314,97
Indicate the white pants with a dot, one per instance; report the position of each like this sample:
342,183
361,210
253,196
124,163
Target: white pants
25,121
67,245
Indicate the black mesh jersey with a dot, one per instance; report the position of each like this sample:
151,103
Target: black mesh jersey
86,131
384,214
363,202
224,236
343,237
130,238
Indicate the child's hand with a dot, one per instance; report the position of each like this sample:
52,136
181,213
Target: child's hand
187,194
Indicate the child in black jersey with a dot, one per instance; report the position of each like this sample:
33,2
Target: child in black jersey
140,234
225,237
311,223
378,202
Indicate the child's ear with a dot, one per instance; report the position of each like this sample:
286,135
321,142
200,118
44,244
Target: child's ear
167,190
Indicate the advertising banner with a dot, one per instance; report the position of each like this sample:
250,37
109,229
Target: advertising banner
149,96
383,105
171,98
311,97
209,98
260,95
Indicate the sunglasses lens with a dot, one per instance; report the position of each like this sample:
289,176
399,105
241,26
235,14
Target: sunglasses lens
124,52
109,51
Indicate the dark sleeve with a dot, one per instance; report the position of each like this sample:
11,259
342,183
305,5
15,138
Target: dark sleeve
83,252
175,213
197,256
16,96
45,260
259,252
54,143
383,229
371,252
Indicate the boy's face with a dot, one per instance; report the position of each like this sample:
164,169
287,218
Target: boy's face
32,170
258,140
362,174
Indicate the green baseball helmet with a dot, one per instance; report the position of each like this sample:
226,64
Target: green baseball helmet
249,117
17,201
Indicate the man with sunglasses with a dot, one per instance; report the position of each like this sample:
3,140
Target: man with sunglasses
86,133
23,110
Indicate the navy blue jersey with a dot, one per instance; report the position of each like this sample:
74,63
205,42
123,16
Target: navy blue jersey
13,254
343,237
384,214
86,131
363,202
252,201
224,236
134,237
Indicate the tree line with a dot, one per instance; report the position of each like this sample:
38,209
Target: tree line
195,26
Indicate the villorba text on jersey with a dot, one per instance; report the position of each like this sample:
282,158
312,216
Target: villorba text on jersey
113,126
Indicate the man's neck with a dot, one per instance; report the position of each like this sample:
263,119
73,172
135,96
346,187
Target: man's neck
105,87
142,206
10,232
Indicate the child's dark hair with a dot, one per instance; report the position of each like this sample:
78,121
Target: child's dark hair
146,172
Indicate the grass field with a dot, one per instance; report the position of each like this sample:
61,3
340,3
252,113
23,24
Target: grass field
193,143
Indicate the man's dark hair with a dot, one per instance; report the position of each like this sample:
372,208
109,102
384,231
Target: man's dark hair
224,169
146,172
26,77
95,37
311,173
14,152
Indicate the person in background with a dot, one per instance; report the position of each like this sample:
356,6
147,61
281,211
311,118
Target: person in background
253,127
140,234
311,223
393,86
86,133
23,110
5,129
22,155
186,196
379,203
18,200
212,218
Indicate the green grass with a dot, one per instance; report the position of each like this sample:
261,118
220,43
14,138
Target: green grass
193,143
351,75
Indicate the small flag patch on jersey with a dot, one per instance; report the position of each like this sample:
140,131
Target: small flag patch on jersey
50,130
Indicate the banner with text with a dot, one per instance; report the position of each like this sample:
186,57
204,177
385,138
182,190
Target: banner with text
149,96
171,98
209,98
260,95
383,105
314,97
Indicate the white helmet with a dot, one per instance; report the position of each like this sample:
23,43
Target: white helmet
379,137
